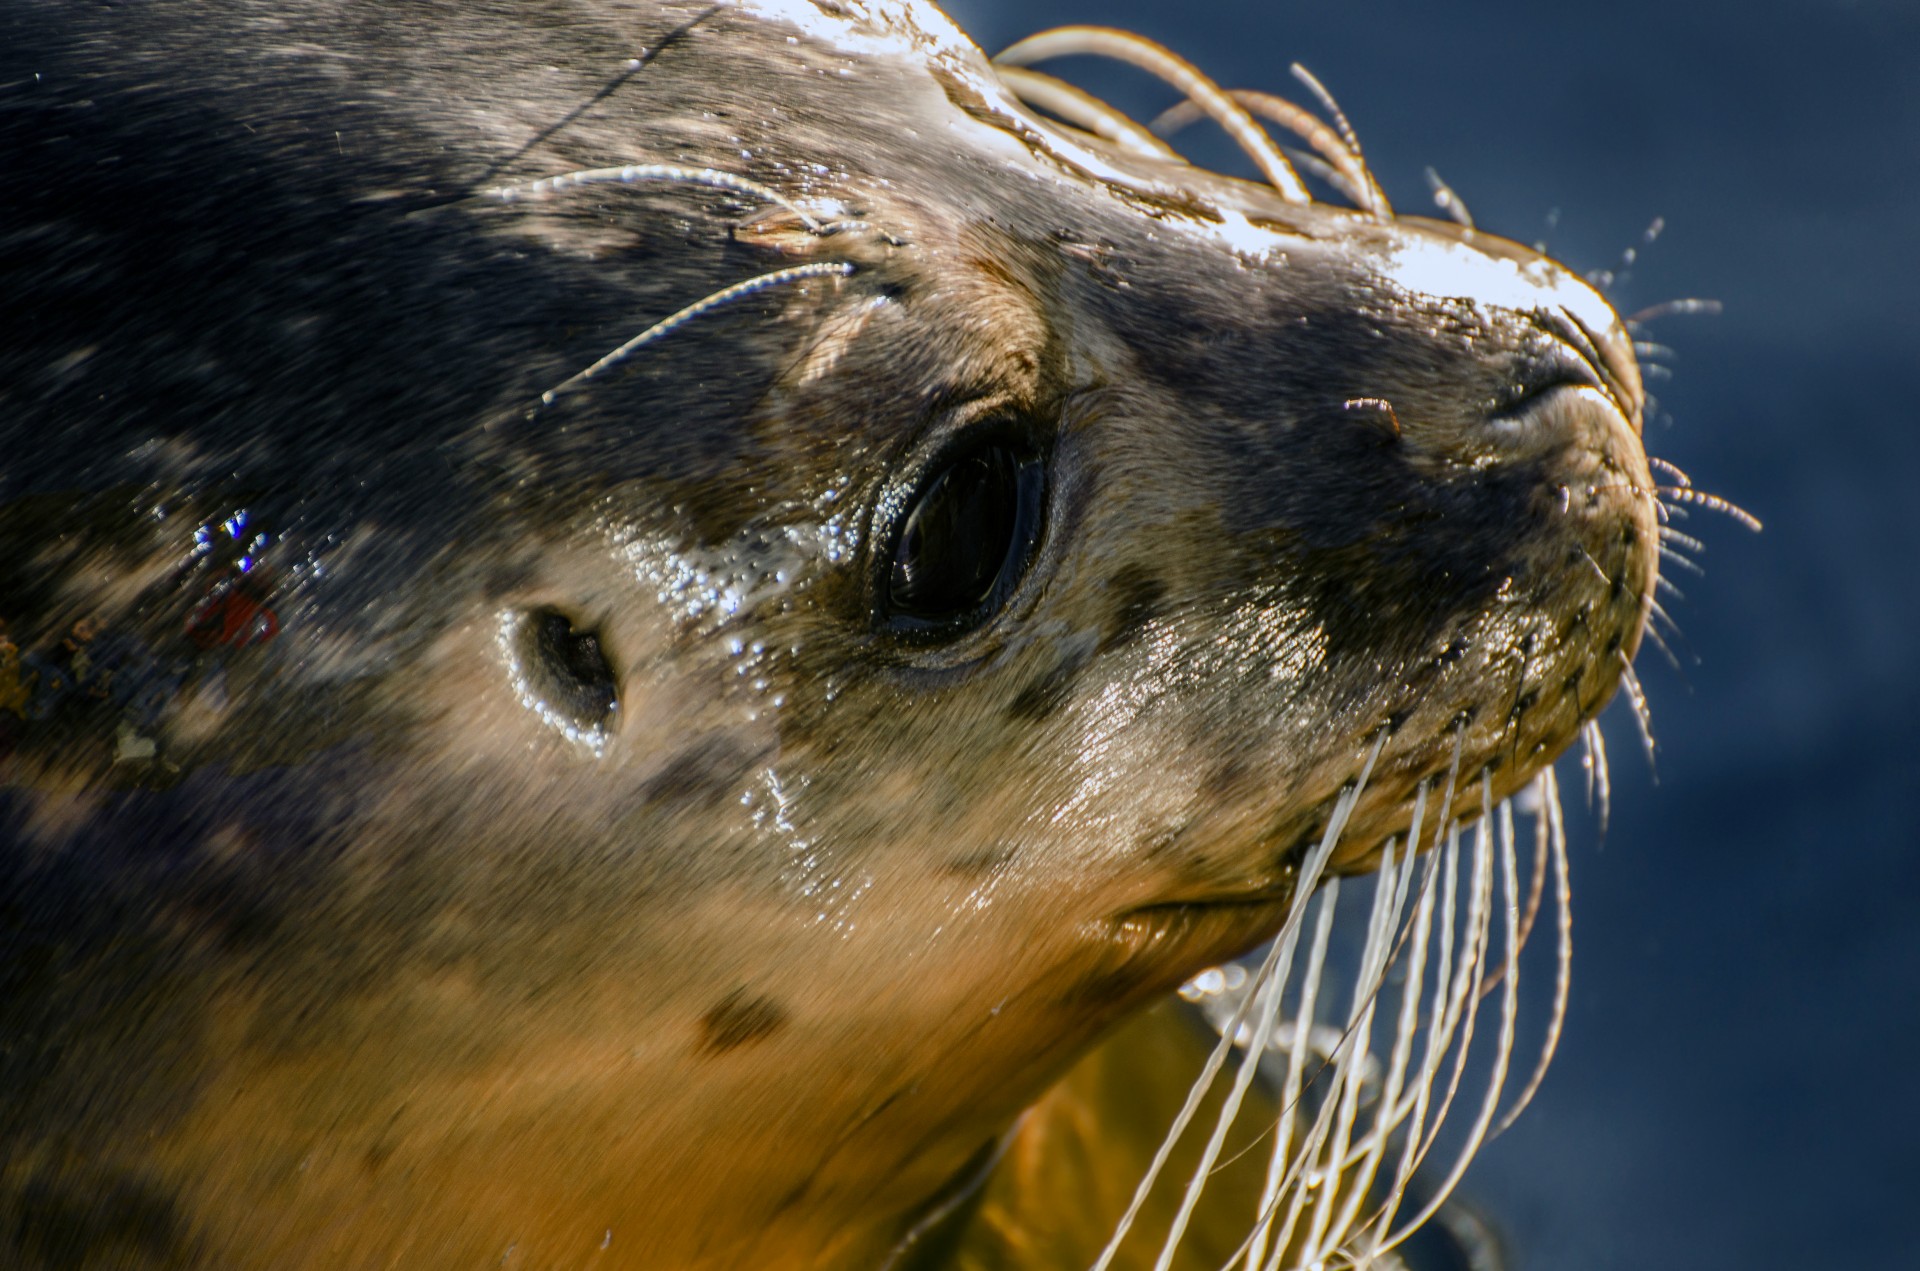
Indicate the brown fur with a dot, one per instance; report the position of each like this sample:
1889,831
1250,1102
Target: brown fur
326,947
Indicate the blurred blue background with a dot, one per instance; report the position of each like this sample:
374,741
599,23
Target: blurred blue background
1738,1087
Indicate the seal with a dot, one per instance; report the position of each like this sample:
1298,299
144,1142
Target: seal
630,624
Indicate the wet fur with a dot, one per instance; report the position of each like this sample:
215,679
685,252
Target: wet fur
366,962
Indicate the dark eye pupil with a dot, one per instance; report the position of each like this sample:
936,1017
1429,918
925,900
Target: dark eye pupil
965,538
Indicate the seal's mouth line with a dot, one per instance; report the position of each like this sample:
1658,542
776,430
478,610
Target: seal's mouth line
1165,911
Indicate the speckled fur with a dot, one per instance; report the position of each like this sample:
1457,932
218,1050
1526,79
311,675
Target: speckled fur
366,964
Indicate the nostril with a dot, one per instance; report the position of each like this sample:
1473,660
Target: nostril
561,670
1539,379
1542,403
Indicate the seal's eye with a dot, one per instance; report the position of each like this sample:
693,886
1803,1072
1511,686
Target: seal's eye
964,540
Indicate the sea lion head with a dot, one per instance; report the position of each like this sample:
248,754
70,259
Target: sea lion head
688,809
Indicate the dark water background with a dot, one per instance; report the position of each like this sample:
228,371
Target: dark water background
1739,1086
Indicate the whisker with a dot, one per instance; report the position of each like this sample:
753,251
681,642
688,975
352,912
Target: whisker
1271,985
672,322
1550,828
1284,1165
1672,469
1332,1212
1637,698
1712,502
1594,760
1439,1036
1536,890
1685,562
1376,199
1682,540
633,66
1656,612
1448,201
1463,1002
638,173
1660,642
1314,166
1392,1114
1631,253
1327,1178
1175,70
1670,308
1084,111
1308,879
1644,349
1285,1184
1342,171
1595,565
1509,1014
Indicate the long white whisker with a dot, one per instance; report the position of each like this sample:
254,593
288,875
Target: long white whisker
1392,1114
1270,984
1439,1036
1305,1011
1599,786
1509,1014
1342,1195
667,325
1464,999
1279,1174
1548,821
637,173
1290,1182
1637,699
1685,562
1309,877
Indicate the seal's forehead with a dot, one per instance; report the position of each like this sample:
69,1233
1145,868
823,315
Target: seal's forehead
873,27
1489,271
